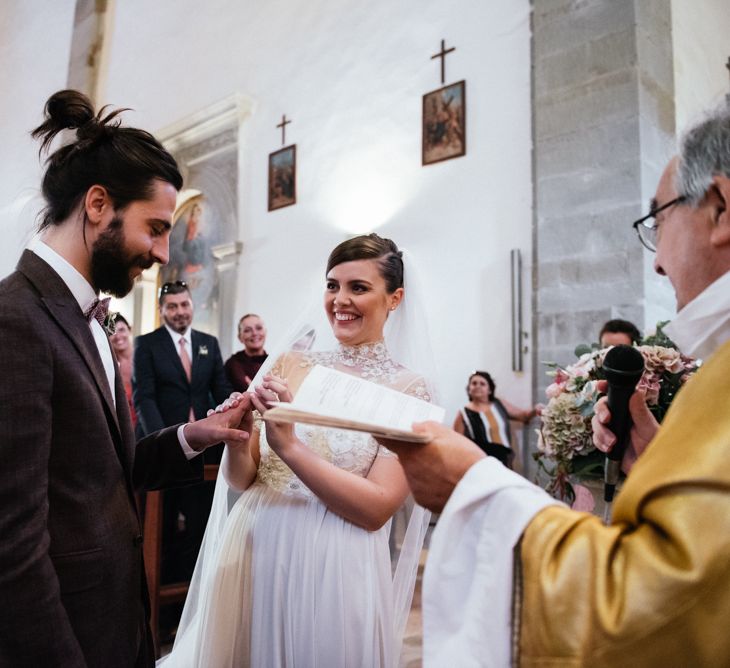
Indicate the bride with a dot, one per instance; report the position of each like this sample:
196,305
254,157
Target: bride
296,569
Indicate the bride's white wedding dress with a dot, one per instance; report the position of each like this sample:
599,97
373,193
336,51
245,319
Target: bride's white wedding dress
291,583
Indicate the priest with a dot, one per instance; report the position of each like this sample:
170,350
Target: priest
515,578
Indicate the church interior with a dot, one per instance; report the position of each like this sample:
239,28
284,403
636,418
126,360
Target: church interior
506,146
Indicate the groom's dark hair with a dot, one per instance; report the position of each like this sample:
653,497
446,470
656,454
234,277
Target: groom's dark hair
372,247
123,160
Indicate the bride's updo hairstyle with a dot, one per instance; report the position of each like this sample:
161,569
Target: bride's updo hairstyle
372,247
123,160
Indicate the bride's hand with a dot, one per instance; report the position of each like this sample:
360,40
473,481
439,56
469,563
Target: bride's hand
279,436
271,390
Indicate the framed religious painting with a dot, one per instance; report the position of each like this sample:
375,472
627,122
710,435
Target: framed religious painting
444,123
283,177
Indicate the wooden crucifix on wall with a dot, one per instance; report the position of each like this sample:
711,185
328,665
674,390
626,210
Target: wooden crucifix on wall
283,172
444,117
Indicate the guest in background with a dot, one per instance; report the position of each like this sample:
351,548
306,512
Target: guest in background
121,342
178,376
485,419
242,366
619,332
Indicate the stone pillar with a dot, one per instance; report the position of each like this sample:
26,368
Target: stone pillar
90,47
603,121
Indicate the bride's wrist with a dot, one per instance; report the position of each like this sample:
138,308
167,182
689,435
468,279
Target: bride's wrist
288,447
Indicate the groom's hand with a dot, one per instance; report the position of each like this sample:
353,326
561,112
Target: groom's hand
232,427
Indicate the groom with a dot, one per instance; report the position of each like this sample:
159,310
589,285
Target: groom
72,581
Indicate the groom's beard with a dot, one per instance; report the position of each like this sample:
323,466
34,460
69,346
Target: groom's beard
111,265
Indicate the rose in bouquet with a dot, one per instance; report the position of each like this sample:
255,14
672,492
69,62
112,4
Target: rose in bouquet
565,440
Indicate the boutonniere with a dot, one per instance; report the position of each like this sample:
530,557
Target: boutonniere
202,351
110,323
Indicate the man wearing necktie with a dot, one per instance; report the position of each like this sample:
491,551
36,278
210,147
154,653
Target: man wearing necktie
179,375
72,581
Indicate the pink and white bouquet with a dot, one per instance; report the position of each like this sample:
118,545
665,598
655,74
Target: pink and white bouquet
565,440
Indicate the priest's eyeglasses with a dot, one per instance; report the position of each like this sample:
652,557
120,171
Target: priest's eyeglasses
646,227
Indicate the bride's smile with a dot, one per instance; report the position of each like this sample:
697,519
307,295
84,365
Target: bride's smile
357,301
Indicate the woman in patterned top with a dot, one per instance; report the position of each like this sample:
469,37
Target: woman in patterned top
485,419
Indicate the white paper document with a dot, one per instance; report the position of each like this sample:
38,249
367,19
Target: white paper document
336,399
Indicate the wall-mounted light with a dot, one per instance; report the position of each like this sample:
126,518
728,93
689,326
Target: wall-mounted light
516,298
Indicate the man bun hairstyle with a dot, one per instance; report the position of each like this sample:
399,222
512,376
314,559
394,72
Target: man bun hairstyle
372,247
123,160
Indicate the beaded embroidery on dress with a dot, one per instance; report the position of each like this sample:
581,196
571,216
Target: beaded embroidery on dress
349,450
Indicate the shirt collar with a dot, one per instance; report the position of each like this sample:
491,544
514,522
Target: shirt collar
703,325
176,335
75,282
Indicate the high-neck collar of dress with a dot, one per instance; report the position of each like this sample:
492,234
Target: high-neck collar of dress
376,351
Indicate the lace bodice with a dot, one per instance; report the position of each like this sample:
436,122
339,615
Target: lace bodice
349,450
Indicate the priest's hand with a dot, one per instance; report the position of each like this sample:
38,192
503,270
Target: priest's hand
435,468
232,426
643,429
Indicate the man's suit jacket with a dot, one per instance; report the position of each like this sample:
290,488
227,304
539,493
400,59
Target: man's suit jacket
72,580
162,393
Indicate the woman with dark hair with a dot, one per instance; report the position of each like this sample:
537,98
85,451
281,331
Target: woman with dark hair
121,341
485,419
297,571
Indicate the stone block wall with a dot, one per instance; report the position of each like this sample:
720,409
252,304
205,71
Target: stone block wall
603,112
603,121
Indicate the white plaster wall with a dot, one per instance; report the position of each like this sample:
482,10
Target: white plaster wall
700,30
35,39
351,73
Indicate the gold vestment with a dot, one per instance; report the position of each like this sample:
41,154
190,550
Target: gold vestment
653,588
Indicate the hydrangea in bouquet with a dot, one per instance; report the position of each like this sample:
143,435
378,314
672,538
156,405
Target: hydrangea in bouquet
565,441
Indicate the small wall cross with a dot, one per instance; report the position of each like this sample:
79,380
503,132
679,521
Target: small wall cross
282,125
442,54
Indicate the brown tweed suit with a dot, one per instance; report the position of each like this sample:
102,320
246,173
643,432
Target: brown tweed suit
72,586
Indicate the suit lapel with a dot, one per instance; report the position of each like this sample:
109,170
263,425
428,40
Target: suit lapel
68,315
195,345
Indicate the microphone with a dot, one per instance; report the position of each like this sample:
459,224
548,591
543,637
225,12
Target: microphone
623,367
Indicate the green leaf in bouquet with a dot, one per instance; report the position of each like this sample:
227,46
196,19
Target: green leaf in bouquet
659,338
589,465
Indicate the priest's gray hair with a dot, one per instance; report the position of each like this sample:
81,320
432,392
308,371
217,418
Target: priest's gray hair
704,153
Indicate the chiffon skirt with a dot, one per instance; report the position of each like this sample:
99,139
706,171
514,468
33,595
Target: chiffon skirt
291,585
